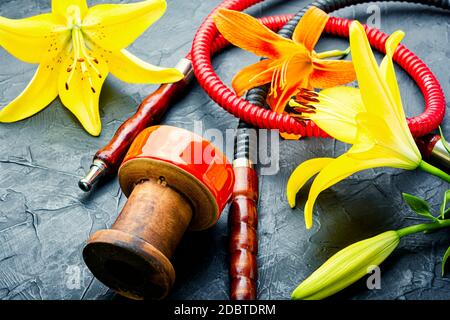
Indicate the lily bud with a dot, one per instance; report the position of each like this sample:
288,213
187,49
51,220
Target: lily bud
347,266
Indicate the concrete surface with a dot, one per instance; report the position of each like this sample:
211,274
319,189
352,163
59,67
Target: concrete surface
45,219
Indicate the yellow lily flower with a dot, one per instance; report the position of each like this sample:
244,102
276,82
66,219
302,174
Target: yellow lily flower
76,47
371,119
290,64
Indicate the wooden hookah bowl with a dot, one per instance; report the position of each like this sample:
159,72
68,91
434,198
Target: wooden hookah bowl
175,181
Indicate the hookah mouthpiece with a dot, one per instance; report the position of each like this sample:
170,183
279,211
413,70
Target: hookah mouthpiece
95,174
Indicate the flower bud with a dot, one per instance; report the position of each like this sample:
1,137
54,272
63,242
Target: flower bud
347,266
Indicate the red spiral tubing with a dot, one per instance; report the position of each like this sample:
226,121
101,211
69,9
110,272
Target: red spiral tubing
208,41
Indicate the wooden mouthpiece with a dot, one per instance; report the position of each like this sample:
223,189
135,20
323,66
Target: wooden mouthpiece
243,221
133,256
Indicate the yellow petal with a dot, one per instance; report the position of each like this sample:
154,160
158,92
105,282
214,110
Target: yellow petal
32,39
59,7
387,68
332,73
247,33
376,139
310,27
388,72
337,170
336,112
376,94
39,93
301,175
80,95
116,26
131,69
374,91
252,76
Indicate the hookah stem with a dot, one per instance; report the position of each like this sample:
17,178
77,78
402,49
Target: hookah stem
243,217
108,159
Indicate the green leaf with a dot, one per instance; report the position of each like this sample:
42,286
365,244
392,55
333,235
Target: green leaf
444,141
444,260
418,205
444,210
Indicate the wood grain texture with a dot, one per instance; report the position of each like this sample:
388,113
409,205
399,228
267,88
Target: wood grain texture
133,256
156,213
243,222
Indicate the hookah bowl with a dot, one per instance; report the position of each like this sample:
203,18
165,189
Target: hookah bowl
175,181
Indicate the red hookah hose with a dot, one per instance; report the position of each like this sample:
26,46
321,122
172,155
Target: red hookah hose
263,118
207,42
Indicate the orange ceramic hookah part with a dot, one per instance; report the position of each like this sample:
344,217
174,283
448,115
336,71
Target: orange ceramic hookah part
175,181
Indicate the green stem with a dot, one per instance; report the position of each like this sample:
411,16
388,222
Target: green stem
333,53
434,171
424,227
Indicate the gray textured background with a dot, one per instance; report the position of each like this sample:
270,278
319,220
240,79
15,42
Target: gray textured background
45,219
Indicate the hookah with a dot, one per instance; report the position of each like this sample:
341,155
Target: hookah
252,113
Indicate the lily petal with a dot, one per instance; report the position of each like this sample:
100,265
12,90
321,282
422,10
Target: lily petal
302,174
310,27
33,38
336,112
290,136
59,7
39,93
252,76
375,139
80,95
247,33
129,68
374,91
332,73
337,170
116,26
286,84
387,68
278,100
388,72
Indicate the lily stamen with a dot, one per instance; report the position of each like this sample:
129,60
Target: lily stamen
89,59
279,77
82,57
301,108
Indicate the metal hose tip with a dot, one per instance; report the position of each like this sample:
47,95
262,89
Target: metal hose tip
96,172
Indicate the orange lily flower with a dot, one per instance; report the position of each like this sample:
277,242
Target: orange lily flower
291,64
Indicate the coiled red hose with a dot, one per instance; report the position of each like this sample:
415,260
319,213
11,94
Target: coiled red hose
202,50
